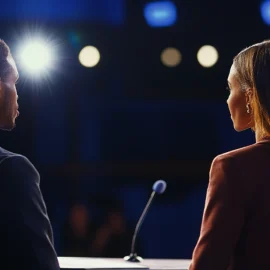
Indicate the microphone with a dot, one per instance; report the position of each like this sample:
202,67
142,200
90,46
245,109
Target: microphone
158,188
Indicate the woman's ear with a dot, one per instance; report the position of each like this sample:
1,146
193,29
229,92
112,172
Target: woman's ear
248,95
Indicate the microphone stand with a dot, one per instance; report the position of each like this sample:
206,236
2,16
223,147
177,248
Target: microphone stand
133,257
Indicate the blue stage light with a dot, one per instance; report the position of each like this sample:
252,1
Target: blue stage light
160,14
106,11
265,11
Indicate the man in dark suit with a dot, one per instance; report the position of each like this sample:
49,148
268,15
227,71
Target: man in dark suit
26,233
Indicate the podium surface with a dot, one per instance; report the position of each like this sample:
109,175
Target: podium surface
121,264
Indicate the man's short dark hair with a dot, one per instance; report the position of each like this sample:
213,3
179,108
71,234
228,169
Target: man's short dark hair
4,50
4,64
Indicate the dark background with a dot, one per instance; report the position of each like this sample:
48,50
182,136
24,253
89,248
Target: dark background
112,130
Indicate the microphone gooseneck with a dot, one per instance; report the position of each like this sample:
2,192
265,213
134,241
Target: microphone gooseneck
158,188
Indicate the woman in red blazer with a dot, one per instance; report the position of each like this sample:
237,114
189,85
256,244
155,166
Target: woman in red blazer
235,230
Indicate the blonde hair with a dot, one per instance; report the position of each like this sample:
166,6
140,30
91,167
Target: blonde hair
253,71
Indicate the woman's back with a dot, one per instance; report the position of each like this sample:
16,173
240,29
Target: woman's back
252,249
235,232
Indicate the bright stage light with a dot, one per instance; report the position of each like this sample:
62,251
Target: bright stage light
265,11
160,13
207,56
35,57
171,57
89,56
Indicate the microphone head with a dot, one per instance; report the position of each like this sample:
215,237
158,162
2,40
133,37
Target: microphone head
159,186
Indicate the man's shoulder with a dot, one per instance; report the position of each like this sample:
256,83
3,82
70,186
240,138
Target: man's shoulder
5,154
9,160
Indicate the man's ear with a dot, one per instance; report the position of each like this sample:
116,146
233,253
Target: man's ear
1,89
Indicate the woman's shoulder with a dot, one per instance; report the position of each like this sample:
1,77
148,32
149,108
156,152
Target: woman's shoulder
244,154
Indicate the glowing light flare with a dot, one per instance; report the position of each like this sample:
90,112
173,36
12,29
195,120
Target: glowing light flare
36,56
89,56
265,11
207,56
160,13
171,57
